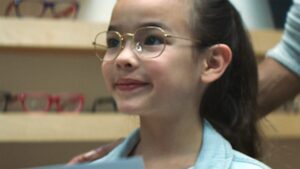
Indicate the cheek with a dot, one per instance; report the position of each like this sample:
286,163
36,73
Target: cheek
175,73
106,73
164,74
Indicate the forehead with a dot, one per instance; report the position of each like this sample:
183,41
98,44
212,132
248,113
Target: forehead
131,14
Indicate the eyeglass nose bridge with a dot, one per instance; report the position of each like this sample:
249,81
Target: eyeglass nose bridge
135,45
124,37
48,6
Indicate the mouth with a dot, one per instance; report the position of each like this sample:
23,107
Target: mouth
127,85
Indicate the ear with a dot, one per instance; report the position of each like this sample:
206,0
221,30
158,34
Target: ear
218,58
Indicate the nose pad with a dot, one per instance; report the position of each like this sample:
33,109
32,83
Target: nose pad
138,47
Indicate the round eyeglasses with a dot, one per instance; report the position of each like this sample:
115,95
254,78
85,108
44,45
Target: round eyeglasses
147,42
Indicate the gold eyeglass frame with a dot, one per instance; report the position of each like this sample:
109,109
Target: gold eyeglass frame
124,36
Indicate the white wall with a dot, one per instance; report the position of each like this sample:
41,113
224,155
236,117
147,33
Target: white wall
255,13
96,10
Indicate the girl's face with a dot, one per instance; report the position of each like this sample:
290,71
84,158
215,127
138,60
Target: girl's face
156,86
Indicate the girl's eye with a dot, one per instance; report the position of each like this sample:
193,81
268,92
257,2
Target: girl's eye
153,40
112,43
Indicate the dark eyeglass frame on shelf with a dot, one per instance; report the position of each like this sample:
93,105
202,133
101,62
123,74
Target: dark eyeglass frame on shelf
47,4
52,100
102,101
5,99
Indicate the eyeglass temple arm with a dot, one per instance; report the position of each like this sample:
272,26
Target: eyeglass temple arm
183,38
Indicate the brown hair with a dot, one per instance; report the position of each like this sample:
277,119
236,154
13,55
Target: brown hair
229,103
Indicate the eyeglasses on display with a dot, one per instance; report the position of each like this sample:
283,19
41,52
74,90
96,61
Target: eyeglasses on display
147,42
5,99
44,102
102,104
43,8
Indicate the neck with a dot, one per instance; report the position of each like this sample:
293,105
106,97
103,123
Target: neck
164,139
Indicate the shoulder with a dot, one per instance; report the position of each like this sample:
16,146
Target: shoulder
245,162
123,149
217,153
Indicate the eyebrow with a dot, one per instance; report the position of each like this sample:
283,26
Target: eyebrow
155,24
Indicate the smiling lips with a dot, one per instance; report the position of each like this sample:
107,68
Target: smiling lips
129,84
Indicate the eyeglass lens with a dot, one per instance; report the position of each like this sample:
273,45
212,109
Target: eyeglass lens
39,8
148,42
104,104
36,103
44,102
69,104
31,8
64,9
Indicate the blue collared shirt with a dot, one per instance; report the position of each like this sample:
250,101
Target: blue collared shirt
216,152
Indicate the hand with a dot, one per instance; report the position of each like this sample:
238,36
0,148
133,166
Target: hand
94,154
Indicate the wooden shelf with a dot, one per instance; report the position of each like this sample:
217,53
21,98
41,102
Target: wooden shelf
68,34
263,40
38,127
20,127
281,125
48,33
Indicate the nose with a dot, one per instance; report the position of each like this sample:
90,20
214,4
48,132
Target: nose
127,59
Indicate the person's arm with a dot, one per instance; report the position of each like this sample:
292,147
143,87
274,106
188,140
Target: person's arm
279,72
277,84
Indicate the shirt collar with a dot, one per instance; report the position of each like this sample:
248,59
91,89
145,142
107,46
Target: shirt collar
216,152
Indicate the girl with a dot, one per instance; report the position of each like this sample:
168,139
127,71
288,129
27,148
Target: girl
187,69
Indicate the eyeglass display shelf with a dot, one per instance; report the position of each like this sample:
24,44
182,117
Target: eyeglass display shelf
103,127
75,34
40,126
48,33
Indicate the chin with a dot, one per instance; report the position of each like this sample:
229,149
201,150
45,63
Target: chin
130,110
137,107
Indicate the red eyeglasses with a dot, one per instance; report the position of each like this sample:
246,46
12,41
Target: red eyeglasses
44,102
38,8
